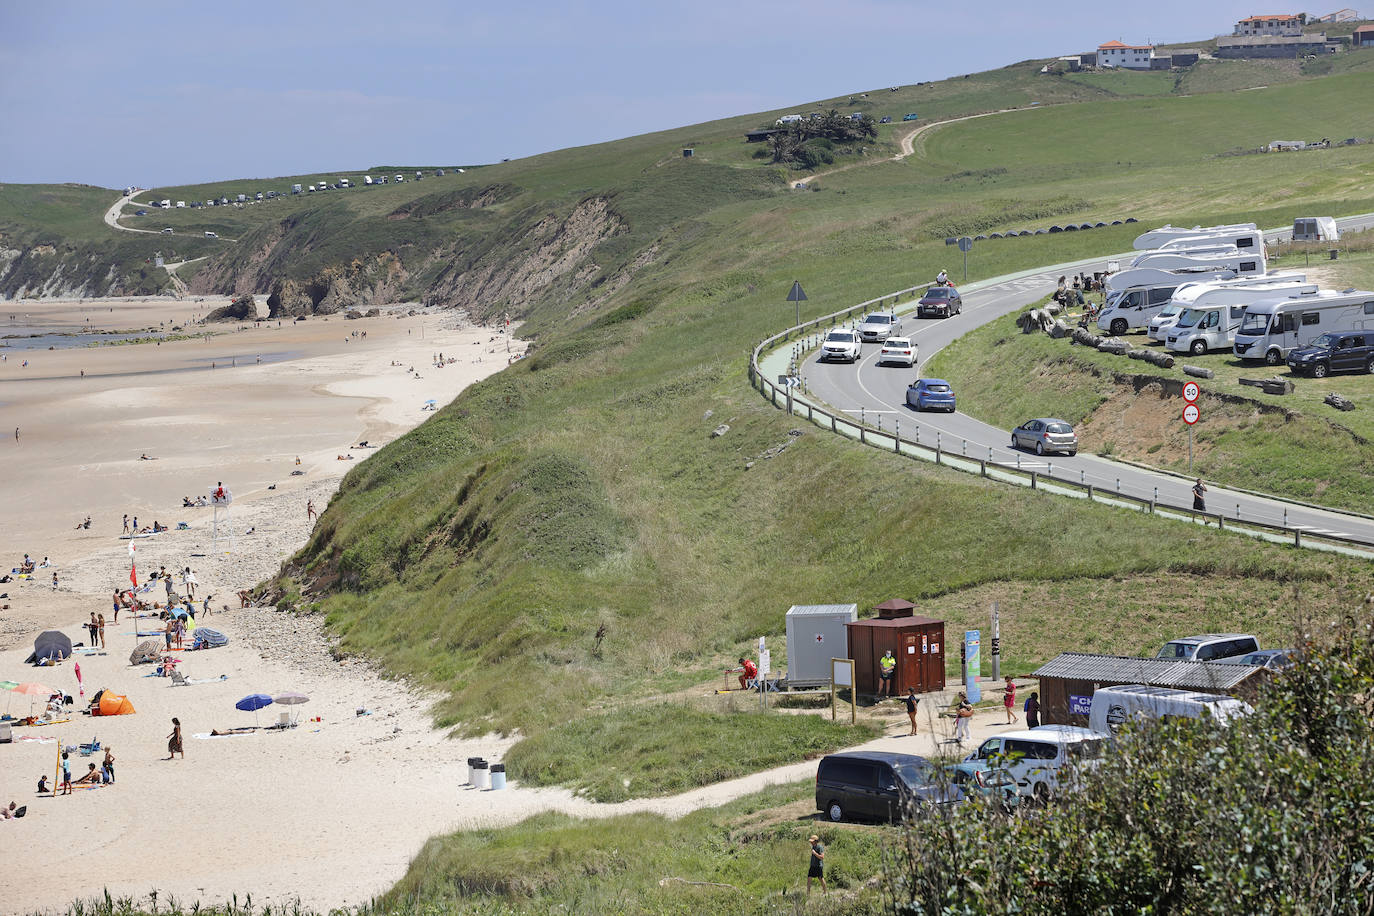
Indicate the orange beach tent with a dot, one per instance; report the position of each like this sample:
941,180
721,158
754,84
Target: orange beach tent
112,704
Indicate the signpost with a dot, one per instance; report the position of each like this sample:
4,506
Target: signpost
965,245
1191,414
996,645
797,295
973,666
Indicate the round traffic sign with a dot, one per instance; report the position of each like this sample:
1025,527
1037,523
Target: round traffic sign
1190,391
1190,414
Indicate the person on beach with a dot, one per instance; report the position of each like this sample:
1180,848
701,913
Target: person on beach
94,629
816,871
167,632
245,598
1008,698
205,606
1033,710
126,523
89,778
54,579
8,813
66,776
116,603
174,740
101,630
107,765
309,510
911,702
43,785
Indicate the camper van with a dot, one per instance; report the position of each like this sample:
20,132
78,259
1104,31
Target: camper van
181,205
1187,295
1244,263
1113,707
1272,327
1244,239
1136,296
344,183
1157,237
1213,315
367,179
295,189
1315,229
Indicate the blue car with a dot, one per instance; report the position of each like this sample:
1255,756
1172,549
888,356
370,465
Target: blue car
930,394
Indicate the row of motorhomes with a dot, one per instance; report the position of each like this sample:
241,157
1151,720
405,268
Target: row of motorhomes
1201,290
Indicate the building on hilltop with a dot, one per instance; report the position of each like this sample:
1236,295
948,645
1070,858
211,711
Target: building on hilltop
1363,37
1130,57
1275,45
1283,24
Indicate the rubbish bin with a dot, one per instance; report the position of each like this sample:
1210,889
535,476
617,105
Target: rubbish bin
472,770
1332,253
481,776
498,776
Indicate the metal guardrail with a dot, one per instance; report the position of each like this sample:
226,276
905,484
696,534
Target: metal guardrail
785,399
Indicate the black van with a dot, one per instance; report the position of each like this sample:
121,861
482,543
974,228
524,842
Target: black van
879,785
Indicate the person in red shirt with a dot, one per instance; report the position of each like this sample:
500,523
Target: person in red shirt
750,671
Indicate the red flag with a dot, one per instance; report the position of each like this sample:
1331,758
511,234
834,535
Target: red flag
77,667
133,573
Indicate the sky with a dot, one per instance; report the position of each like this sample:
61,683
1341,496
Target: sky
155,93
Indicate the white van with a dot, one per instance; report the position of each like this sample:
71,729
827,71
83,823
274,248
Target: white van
1273,327
1211,321
367,179
1134,307
1113,707
1157,237
1035,757
1315,229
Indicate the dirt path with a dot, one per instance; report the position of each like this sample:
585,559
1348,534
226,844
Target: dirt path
116,209
907,143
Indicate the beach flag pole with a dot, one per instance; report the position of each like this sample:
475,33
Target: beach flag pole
57,768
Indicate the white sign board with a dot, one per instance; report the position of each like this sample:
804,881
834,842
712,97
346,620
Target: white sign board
765,663
842,672
1190,414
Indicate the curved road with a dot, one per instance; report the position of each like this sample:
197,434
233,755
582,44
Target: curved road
878,395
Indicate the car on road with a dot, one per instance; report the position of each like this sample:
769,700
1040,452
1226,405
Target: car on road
1046,434
944,301
1338,351
898,350
1273,659
885,119
880,785
913,116
141,213
878,326
930,394
167,231
841,344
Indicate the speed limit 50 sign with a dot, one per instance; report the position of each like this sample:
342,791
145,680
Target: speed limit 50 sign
1190,391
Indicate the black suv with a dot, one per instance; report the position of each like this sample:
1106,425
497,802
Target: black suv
879,785
1338,351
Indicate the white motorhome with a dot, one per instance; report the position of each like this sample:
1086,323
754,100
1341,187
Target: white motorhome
1113,707
367,179
1315,229
1244,239
166,203
344,183
1211,319
1186,296
1272,327
1136,296
1157,237
181,205
1244,263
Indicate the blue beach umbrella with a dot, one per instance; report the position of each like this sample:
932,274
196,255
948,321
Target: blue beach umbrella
252,703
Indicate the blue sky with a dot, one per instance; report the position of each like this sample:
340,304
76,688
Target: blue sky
159,93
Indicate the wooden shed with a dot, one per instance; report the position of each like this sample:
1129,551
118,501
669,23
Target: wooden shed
1068,682
918,643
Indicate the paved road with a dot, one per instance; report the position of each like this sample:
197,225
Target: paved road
116,210
878,395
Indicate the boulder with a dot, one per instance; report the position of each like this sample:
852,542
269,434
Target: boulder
243,308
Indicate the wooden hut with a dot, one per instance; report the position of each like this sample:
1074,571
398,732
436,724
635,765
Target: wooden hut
918,644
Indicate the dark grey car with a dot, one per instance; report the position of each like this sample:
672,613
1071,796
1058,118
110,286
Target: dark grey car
880,785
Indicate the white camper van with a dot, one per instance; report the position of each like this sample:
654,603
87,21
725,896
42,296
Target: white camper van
1315,229
1272,327
1136,296
367,179
1244,239
1187,295
295,189
1113,707
1157,237
1244,263
1211,320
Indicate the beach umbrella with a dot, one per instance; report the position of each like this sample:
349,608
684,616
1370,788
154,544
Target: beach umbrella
291,699
8,685
252,703
33,689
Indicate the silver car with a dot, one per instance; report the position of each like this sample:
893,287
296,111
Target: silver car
1045,434
878,326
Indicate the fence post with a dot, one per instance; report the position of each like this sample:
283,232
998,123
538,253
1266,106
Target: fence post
1221,522
1297,537
832,424
1033,476
983,467
1090,492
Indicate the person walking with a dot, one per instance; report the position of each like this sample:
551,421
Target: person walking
116,605
126,523
887,670
174,740
1009,700
1033,710
1200,498
816,872
911,703
963,715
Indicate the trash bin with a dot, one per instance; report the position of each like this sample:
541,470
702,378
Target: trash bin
481,777
472,770
1332,253
498,776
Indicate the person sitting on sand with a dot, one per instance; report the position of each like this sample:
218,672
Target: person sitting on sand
8,813
186,503
200,502
90,778
146,457
43,785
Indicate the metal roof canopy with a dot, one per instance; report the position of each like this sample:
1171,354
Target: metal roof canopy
822,610
1153,672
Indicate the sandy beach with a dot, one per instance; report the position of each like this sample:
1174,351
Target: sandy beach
329,812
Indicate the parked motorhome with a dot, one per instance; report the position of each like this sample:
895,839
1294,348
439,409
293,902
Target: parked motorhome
1213,315
1157,237
1315,229
1244,263
367,179
181,204
1113,707
243,198
295,189
310,189
166,203
1244,239
1186,296
344,183
1273,327
1136,296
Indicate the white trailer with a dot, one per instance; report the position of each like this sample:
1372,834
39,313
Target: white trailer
1315,229
1156,237
1273,327
1213,315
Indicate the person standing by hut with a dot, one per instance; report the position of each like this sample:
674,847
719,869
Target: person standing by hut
1033,710
887,671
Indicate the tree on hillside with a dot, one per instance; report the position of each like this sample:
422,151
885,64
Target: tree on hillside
796,145
1269,815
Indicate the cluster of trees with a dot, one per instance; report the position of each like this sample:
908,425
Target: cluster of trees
1270,815
810,142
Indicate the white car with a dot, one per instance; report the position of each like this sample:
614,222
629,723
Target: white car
878,326
841,344
898,350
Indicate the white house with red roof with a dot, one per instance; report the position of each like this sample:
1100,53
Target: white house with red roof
1132,57
1276,24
